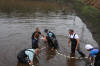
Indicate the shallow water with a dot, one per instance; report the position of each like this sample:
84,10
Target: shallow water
15,35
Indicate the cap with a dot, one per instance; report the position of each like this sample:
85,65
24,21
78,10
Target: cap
88,46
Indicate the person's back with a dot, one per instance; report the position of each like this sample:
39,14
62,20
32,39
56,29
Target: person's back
26,56
94,52
51,35
22,57
33,35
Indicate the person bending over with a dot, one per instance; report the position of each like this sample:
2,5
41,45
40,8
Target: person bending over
27,56
94,53
51,39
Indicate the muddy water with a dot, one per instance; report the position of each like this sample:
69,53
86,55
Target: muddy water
15,35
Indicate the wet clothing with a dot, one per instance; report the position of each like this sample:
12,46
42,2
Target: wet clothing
35,43
95,52
51,38
26,55
74,43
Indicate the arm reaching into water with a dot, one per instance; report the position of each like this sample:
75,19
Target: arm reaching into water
91,58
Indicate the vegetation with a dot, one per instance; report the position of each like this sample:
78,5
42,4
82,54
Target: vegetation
29,6
90,15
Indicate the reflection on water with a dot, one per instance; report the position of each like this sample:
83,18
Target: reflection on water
71,62
15,35
20,64
50,55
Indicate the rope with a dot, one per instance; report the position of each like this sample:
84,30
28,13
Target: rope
70,57
80,58
65,55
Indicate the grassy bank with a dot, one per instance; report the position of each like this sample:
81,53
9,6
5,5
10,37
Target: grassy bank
90,15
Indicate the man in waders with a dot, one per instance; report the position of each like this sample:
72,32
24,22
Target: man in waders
51,39
93,52
74,40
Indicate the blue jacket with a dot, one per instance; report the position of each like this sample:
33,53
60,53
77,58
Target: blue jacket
94,52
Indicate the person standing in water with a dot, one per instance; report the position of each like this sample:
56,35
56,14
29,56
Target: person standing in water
37,31
51,39
74,40
93,52
35,38
35,41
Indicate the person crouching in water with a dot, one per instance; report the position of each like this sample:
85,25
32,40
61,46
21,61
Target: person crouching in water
27,56
93,52
74,40
35,41
51,39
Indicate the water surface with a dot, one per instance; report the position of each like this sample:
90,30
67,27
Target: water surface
15,35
